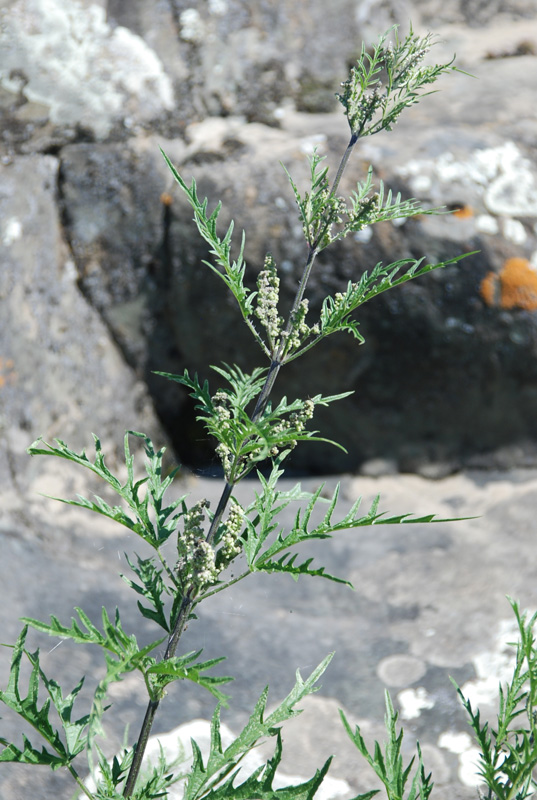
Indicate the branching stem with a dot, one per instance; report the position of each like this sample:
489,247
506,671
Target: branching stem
276,364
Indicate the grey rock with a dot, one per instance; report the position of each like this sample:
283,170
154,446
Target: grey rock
145,274
138,259
61,375
429,598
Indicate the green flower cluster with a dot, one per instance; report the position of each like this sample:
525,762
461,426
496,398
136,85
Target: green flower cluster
295,424
230,545
196,561
268,286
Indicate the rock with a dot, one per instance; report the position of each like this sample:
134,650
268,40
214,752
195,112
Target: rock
61,375
65,57
138,257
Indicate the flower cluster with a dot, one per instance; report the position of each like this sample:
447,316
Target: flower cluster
221,403
295,424
369,104
301,330
230,546
268,285
326,210
196,556
364,211
360,106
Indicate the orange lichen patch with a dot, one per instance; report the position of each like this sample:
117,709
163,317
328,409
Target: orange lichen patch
7,372
463,212
514,287
489,289
166,199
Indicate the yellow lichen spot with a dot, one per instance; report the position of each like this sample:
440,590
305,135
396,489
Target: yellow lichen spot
514,287
463,212
489,288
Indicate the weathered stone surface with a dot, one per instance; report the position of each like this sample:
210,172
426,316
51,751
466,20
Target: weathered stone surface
410,403
61,375
429,596
65,58
138,260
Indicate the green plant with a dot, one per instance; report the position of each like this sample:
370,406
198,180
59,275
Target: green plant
508,751
250,431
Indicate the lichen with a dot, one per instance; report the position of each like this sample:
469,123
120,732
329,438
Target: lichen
514,287
463,212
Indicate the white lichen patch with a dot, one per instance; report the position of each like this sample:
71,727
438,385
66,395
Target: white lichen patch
364,236
79,67
11,231
455,741
219,7
484,223
413,701
309,144
493,667
192,27
514,230
504,179
462,745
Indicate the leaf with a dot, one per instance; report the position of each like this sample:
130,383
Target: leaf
388,765
222,763
259,783
61,752
301,531
231,272
155,530
113,639
287,564
152,587
185,667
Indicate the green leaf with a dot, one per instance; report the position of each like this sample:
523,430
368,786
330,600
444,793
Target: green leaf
372,104
153,521
60,752
231,272
62,451
185,667
152,587
221,764
259,783
262,526
388,765
508,754
287,564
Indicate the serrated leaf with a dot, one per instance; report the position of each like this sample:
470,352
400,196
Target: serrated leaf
187,667
222,763
152,587
62,751
287,564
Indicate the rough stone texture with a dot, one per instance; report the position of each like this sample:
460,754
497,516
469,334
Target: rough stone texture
138,260
463,148
60,373
429,603
445,371
97,269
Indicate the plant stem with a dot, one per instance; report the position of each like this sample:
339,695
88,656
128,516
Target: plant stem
140,747
189,598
